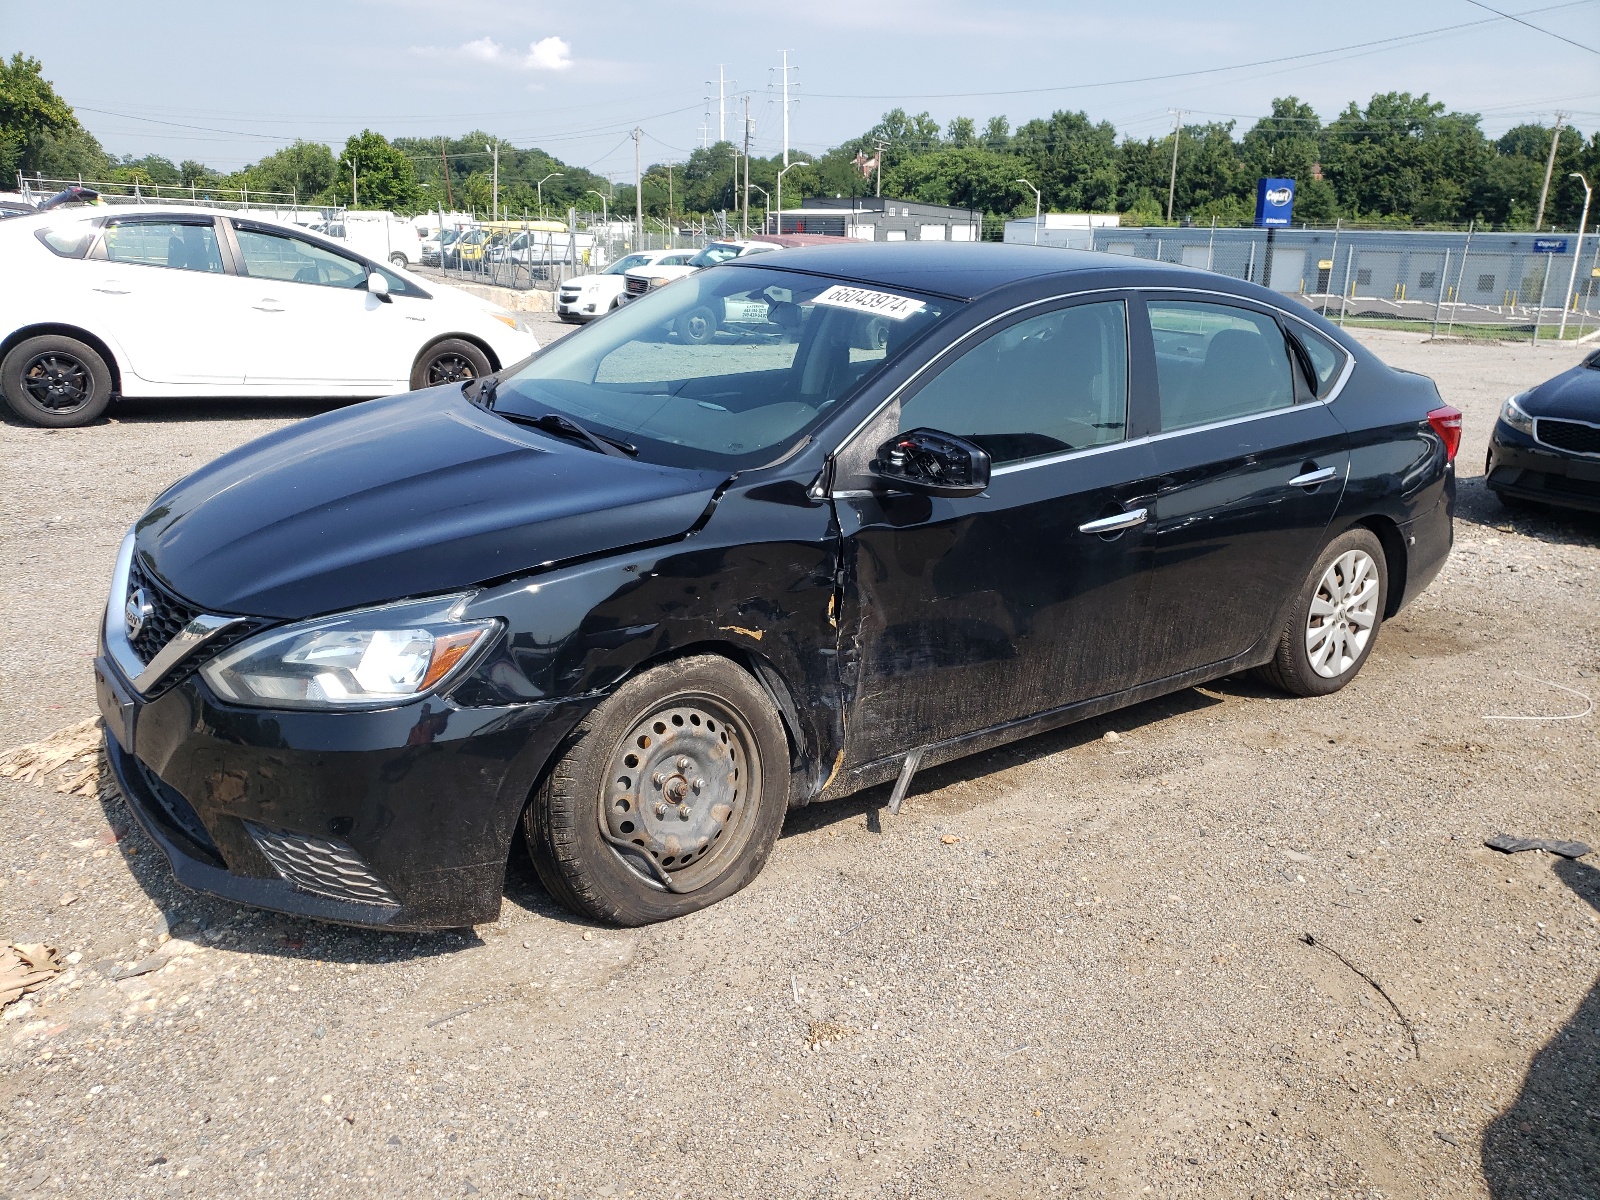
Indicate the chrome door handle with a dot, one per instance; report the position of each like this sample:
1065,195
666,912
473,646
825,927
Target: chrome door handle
1117,523
1312,478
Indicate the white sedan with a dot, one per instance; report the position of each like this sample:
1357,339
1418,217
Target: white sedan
165,301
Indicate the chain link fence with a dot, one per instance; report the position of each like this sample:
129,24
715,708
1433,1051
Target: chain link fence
1517,286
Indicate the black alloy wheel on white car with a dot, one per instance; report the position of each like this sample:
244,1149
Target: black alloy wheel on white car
55,381
668,797
450,361
1333,624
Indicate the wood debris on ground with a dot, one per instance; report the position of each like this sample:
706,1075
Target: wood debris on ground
76,745
26,969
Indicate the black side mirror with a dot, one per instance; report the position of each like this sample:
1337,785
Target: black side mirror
935,463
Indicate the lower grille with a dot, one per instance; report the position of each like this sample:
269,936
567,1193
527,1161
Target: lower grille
176,812
1577,436
322,866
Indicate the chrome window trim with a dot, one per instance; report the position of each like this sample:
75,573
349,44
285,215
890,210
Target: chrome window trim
1051,460
190,638
1563,449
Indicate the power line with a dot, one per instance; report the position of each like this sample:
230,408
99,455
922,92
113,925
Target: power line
1536,28
1264,62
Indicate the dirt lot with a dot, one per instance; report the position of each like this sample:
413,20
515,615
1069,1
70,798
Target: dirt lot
1076,966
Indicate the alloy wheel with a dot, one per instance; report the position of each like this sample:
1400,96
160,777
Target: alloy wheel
683,786
1343,612
58,382
450,368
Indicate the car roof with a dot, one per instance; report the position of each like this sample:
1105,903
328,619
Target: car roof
961,270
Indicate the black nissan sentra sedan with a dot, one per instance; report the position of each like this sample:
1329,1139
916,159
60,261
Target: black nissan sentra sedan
1546,445
644,593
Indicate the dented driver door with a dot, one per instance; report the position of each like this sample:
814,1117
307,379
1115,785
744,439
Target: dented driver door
964,613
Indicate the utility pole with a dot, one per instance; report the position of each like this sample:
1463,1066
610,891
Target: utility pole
1549,168
669,195
878,149
786,108
1038,204
445,163
352,181
722,108
744,223
638,185
1172,181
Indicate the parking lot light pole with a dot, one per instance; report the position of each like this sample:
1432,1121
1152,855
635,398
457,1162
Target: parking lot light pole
540,187
1038,205
767,220
495,193
1577,253
781,174
604,218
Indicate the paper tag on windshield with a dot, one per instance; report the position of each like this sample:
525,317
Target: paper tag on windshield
883,304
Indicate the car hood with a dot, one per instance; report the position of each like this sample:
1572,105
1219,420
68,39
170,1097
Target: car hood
414,495
1574,395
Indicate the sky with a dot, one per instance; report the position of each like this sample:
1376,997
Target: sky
227,84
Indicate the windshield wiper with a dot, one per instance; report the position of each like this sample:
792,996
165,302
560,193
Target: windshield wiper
551,422
555,423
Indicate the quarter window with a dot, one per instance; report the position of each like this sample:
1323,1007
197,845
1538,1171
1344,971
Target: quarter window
1215,362
1326,360
294,260
184,246
1052,383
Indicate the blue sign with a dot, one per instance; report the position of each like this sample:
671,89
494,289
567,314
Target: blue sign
1549,245
1274,202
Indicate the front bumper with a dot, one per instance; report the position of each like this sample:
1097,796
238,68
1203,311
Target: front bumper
401,818
1520,467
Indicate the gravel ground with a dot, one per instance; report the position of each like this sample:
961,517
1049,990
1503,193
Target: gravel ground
1075,966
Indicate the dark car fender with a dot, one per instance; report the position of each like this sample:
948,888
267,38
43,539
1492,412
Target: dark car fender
756,584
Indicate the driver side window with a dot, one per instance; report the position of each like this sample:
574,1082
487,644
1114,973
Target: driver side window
1051,383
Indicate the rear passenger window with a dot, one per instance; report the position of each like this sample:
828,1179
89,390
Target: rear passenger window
1215,362
1327,360
184,246
1052,383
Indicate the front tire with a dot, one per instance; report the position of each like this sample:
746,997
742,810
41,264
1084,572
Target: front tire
698,325
398,260
668,797
55,381
450,361
1333,623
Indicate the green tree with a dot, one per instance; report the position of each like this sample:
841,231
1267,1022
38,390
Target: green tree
968,177
997,133
29,111
1404,156
1072,160
305,170
383,175
961,133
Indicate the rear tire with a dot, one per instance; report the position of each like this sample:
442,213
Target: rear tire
450,361
682,774
55,381
1334,622
398,260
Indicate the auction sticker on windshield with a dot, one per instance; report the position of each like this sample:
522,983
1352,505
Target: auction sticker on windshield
883,304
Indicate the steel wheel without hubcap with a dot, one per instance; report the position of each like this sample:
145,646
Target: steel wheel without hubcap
678,800
1343,612
59,383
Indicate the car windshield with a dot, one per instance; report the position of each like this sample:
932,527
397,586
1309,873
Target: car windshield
716,252
448,236
724,369
626,263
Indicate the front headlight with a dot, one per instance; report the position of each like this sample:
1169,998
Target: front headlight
368,659
660,281
1513,415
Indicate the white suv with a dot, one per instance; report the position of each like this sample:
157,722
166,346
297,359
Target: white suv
585,297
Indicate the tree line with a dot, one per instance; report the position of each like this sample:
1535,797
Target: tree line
1400,159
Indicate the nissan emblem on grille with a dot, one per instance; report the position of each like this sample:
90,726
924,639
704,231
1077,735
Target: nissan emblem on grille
136,612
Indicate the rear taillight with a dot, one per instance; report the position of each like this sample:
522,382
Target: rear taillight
1446,422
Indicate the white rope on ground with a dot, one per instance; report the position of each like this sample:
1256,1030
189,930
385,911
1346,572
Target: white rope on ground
1577,716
